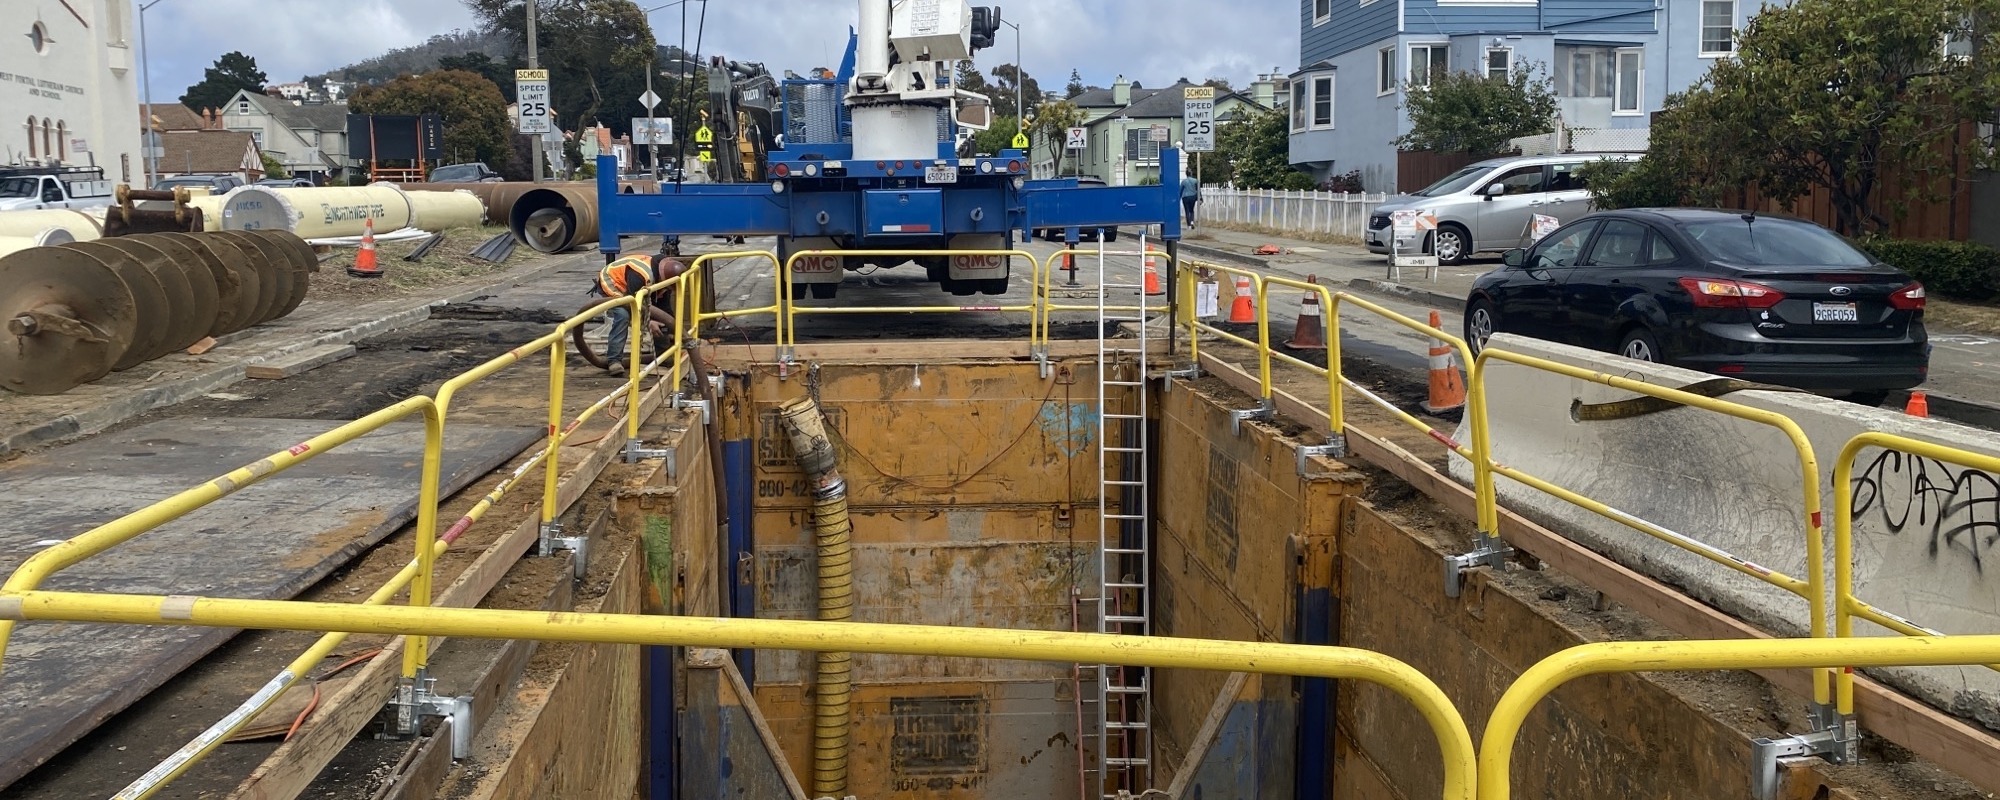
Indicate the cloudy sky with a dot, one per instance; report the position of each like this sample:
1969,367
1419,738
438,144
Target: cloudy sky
1152,41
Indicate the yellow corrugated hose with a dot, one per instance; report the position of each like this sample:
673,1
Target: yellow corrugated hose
833,538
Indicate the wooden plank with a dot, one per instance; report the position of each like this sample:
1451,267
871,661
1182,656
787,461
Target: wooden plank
1204,737
292,767
422,769
287,366
1944,740
768,738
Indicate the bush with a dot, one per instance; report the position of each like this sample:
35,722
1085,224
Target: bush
1645,183
1958,270
1349,183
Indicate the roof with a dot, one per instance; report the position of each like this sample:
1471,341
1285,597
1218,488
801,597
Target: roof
205,151
1168,103
169,117
330,117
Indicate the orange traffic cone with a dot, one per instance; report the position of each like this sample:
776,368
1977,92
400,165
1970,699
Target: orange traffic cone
364,261
1307,333
1153,288
1919,406
1447,390
1243,310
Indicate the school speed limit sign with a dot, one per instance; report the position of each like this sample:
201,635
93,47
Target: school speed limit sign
1198,119
531,88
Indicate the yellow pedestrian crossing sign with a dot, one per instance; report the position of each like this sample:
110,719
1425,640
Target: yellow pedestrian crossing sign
704,140
1021,141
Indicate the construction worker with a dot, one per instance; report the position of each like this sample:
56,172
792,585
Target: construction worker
626,277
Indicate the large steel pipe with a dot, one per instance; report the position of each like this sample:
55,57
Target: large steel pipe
317,213
555,220
82,226
439,211
47,238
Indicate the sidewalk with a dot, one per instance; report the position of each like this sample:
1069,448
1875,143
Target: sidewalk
1349,265
31,421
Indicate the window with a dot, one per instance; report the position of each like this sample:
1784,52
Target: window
1584,72
242,106
1662,252
1621,243
1427,60
1563,250
1385,71
1499,62
1140,147
1631,80
62,139
38,38
1521,180
1322,102
1718,27
1565,178
31,137
48,136
1322,11
1299,98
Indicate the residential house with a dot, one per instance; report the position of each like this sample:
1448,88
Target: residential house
295,92
68,86
1612,63
1271,90
1119,124
169,117
309,139
210,152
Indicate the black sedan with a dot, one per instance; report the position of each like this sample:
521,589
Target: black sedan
1762,298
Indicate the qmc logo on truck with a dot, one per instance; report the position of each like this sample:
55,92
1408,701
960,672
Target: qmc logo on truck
817,264
985,263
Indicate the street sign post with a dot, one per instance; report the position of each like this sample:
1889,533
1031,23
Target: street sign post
653,130
649,100
531,87
1406,242
1198,119
1021,140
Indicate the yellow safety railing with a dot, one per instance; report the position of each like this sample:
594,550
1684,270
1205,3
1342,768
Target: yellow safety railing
1812,588
788,330
1045,286
1496,748
1454,739
700,285
1846,605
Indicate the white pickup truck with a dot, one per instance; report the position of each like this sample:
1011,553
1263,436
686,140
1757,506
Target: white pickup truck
22,190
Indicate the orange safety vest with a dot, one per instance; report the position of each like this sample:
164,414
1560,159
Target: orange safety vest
612,279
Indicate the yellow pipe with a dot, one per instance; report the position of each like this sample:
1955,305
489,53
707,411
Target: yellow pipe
38,567
1808,467
767,634
1845,604
1496,749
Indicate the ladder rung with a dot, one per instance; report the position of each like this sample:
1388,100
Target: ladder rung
1124,383
1124,449
1124,586
1124,516
1126,762
1125,551
1124,483
1141,689
1124,416
1122,618
1127,726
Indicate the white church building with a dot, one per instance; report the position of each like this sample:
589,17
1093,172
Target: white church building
69,86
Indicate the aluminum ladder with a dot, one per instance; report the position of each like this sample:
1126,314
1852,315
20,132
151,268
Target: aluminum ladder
1123,700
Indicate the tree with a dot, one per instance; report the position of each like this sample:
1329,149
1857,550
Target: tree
597,53
1823,95
273,168
476,127
1075,86
1255,154
1005,78
232,73
483,65
1467,112
992,140
1218,84
1051,125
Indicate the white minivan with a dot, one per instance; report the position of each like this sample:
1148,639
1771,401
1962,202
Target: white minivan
1488,206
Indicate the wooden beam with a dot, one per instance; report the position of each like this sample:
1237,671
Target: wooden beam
423,769
736,355
1938,737
295,764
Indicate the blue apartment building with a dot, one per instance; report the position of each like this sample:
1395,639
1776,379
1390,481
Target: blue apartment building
1613,62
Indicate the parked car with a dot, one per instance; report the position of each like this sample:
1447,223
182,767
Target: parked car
1488,206
1762,298
475,172
287,183
215,184
1082,234
53,187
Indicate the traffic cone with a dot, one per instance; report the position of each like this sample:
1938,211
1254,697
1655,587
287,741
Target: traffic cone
1919,406
1243,310
1153,288
1307,333
364,261
1447,390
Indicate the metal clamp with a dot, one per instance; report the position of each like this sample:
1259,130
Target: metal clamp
1487,551
681,401
1265,411
417,698
636,451
1193,372
1767,754
1826,717
1336,447
552,540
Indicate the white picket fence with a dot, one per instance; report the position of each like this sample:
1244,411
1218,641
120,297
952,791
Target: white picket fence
1307,212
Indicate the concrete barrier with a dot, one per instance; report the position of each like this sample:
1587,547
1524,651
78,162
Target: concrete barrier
1924,531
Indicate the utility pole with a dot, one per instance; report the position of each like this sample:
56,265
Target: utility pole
535,63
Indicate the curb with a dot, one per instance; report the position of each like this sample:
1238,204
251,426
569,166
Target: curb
1407,292
98,418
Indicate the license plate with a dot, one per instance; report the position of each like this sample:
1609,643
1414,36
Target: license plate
940,174
1835,312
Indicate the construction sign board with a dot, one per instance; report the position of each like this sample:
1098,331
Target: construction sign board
1409,228
1542,225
